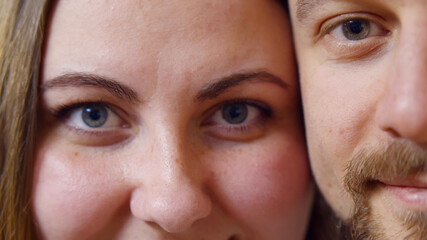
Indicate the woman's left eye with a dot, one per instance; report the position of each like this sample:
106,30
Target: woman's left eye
93,116
356,29
237,120
235,113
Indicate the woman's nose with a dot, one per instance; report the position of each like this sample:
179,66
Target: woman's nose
172,194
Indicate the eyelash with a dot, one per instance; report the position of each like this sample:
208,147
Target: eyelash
64,109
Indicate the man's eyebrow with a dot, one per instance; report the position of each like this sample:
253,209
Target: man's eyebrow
306,7
220,86
78,79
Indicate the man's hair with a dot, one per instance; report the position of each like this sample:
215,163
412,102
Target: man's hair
22,26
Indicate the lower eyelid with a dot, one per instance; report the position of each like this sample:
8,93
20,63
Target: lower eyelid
236,133
346,49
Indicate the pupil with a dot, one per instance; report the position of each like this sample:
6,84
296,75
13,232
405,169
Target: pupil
94,115
356,27
235,113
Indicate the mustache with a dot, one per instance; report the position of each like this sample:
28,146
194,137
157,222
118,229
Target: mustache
397,160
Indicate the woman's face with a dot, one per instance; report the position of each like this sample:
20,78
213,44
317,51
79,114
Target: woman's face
170,120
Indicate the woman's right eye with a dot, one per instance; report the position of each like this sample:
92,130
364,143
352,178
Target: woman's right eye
93,116
93,123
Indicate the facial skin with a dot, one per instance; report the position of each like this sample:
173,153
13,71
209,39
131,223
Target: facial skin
364,98
176,157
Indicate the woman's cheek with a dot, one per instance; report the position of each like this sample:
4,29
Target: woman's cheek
268,187
73,193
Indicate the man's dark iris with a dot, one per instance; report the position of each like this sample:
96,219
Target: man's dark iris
356,29
94,115
235,113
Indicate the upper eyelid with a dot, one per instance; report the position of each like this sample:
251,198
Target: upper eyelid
64,110
262,106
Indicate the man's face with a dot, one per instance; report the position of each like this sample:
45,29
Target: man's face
363,69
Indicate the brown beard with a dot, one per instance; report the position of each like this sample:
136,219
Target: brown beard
397,160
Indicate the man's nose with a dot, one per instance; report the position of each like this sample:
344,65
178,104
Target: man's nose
172,194
403,109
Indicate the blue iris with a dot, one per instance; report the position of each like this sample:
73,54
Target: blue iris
94,115
235,113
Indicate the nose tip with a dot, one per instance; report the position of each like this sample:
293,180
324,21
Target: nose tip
178,213
405,118
173,208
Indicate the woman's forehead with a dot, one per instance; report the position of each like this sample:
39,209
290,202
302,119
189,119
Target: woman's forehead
146,15
148,38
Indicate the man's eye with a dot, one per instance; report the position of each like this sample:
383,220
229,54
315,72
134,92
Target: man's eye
356,29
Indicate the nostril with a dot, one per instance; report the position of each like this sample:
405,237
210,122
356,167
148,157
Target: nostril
393,133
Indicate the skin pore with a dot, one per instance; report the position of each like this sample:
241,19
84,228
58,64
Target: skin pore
170,120
362,70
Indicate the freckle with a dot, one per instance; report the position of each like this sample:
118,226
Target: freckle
341,131
76,154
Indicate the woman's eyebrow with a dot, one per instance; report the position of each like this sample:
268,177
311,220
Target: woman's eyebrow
78,79
220,86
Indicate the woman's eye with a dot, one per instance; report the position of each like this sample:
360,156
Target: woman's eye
93,116
237,120
235,113
356,29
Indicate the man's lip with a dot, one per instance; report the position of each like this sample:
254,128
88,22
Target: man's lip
409,182
409,193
